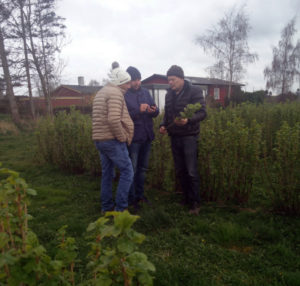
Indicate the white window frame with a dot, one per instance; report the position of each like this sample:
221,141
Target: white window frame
216,93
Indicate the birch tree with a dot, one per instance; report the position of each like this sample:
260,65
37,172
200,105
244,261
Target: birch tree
227,42
285,66
45,31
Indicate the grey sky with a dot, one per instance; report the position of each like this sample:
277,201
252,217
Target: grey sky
154,34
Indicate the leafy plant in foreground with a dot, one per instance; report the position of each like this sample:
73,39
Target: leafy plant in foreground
23,261
114,259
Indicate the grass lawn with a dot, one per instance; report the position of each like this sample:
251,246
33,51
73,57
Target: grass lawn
221,246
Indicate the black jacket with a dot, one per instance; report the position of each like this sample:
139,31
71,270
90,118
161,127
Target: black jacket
175,103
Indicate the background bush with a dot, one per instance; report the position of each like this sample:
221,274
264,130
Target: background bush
239,147
65,141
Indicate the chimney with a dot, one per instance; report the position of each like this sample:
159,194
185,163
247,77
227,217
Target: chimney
80,80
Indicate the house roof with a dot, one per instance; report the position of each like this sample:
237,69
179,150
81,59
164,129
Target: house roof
83,89
210,81
195,80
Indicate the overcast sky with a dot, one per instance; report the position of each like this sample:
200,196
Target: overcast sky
152,35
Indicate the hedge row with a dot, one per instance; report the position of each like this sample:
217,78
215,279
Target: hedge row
239,148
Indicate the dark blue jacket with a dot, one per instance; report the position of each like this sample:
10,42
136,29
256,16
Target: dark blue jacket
143,125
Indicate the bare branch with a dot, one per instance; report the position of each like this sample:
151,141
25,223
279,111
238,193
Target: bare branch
227,42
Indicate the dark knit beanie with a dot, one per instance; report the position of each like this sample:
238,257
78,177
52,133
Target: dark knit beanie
134,73
175,71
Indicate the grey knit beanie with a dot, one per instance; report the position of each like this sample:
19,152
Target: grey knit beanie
175,71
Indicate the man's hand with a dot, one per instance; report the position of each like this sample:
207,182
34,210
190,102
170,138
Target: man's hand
181,122
163,130
144,107
151,109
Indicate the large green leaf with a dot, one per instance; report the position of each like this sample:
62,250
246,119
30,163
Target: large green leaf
126,245
124,220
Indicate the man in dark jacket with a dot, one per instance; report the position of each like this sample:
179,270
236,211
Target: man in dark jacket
184,133
142,109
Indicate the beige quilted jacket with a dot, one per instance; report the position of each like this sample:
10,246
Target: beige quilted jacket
111,119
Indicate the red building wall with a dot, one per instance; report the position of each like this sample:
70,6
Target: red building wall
223,89
223,93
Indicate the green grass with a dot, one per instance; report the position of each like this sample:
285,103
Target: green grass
224,245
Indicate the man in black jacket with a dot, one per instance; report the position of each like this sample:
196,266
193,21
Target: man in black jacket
184,133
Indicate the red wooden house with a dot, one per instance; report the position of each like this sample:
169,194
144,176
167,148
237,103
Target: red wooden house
212,87
68,95
79,95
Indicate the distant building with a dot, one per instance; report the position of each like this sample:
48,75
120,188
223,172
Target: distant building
78,95
215,88
67,95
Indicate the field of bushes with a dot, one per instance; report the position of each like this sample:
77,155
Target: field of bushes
247,232
244,152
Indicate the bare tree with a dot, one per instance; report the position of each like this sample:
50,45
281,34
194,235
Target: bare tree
227,42
45,31
2,87
286,61
4,15
20,31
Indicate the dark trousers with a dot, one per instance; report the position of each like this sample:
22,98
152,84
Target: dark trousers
185,151
139,155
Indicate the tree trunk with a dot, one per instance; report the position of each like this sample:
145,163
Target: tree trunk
9,87
45,89
230,82
32,108
229,90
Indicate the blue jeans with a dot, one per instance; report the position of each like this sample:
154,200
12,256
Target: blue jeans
114,153
139,154
185,154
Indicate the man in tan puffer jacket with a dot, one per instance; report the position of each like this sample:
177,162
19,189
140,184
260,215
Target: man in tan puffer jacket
112,131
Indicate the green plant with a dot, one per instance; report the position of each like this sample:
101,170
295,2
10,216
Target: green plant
116,261
66,141
24,261
228,158
67,254
161,168
283,172
233,144
189,111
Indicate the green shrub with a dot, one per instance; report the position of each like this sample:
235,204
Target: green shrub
114,256
117,261
283,173
161,173
233,144
66,141
228,158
